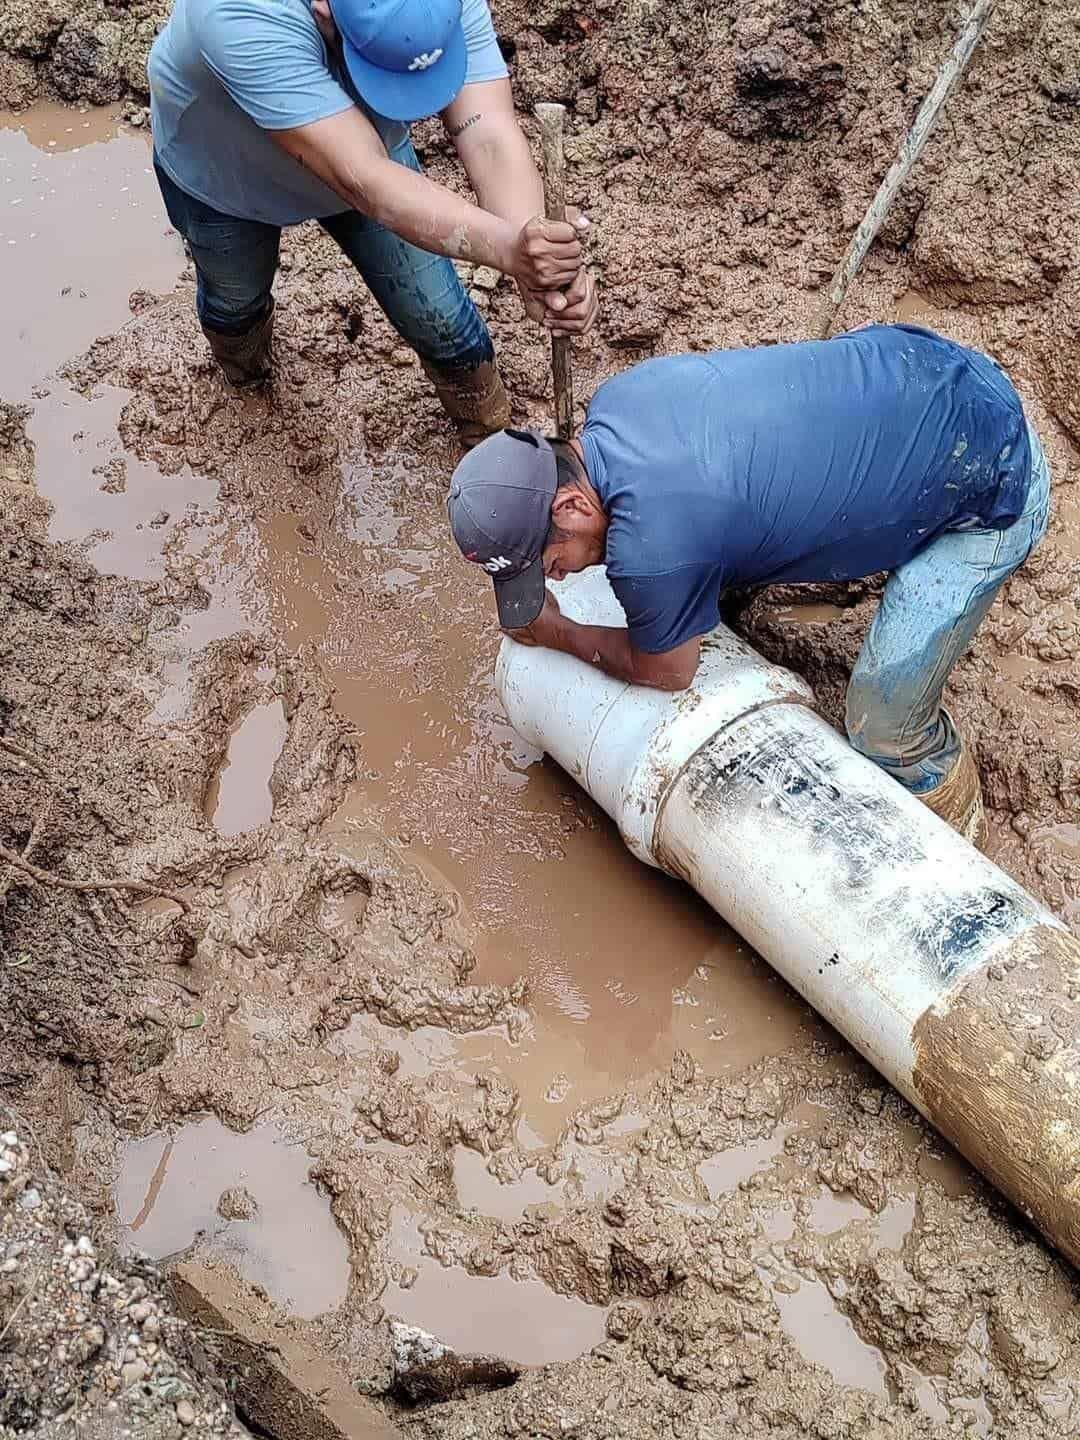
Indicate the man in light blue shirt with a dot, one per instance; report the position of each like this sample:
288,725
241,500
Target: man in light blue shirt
270,112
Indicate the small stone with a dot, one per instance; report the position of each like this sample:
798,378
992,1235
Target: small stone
401,356
9,1139
160,519
134,1373
84,1246
485,277
871,1100
152,1328
185,1413
140,1312
92,1340
156,1015
30,1199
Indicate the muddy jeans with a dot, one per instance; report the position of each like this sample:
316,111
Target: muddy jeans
421,295
927,618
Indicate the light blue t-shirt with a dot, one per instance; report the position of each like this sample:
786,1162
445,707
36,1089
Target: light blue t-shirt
224,72
818,461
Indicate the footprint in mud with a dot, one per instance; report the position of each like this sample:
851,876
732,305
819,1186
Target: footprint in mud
238,798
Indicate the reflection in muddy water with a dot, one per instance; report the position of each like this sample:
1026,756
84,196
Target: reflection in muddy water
239,798
728,1169
827,1337
518,1320
81,227
169,1192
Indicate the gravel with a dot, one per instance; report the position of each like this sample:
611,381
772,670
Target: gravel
87,1337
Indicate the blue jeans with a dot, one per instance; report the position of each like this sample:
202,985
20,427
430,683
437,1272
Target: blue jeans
927,618
420,294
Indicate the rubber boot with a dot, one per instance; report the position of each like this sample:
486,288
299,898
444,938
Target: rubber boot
958,799
245,359
474,399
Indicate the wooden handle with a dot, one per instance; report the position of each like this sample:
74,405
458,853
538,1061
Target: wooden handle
551,119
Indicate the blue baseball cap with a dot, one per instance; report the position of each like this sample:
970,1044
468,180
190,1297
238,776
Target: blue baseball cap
407,58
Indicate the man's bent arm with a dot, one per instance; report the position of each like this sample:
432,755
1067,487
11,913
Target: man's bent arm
612,651
484,127
346,153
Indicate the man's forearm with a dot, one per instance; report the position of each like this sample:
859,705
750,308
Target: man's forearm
504,178
429,215
603,646
613,651
346,154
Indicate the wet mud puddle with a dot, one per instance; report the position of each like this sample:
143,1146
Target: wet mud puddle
624,966
239,797
81,228
518,1320
244,1199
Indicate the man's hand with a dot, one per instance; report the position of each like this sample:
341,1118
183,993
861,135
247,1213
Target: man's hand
545,629
572,311
546,254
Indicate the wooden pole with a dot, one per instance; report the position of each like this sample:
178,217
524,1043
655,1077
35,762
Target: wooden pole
948,78
552,118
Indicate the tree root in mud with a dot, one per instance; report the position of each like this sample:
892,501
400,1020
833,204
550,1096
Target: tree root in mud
48,877
24,865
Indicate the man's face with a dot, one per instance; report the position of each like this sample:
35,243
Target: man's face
569,554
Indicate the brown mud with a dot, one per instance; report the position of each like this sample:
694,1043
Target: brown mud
515,1089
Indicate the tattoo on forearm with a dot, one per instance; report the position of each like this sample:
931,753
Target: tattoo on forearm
465,125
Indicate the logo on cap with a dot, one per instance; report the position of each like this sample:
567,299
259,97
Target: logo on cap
425,59
495,564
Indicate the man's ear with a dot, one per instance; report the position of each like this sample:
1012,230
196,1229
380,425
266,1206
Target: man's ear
569,503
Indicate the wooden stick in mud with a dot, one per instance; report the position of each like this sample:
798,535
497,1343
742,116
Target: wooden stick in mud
551,119
948,78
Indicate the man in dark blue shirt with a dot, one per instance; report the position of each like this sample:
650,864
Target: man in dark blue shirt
889,448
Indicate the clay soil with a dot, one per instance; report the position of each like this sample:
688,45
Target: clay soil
422,1044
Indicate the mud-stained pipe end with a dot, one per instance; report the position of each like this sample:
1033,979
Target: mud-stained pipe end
998,1072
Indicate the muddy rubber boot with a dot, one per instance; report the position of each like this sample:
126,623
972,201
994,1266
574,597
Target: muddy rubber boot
958,799
245,360
474,399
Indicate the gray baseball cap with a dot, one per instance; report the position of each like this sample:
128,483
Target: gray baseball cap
500,512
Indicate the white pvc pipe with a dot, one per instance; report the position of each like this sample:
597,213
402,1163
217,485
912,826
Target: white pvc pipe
918,949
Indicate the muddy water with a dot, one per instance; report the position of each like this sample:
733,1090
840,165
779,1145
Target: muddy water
239,797
624,965
518,1320
244,1199
81,227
